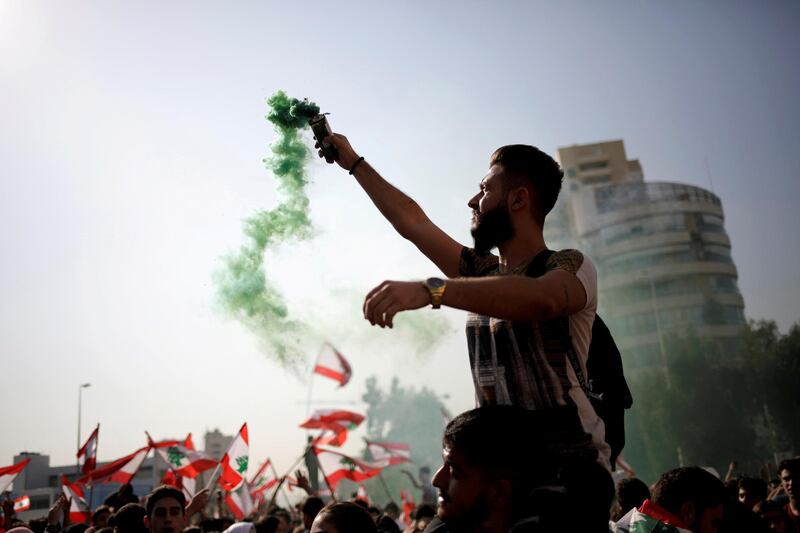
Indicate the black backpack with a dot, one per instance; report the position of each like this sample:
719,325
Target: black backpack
606,386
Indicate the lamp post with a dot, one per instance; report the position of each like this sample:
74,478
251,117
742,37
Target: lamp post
80,392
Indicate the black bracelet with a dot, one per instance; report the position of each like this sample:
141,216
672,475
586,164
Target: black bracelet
360,159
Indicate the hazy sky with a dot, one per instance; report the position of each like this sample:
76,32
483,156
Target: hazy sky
131,149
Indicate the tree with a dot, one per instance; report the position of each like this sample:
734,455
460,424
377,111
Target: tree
403,414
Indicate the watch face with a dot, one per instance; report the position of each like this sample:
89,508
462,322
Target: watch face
434,283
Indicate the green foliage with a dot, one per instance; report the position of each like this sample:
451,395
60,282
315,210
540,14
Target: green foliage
403,414
707,407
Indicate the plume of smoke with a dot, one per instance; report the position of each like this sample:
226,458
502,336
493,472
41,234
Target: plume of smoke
243,288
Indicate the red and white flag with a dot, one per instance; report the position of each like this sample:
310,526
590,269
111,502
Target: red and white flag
120,471
8,473
185,484
263,480
361,494
23,503
87,455
338,466
182,458
79,512
331,364
234,462
240,502
336,421
389,453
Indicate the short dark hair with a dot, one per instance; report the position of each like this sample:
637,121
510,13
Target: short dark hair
631,492
756,487
164,491
525,164
387,525
424,511
688,484
100,510
128,518
347,516
792,465
269,524
312,506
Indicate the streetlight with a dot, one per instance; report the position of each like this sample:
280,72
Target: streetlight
80,391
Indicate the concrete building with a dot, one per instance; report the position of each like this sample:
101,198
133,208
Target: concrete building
662,254
42,482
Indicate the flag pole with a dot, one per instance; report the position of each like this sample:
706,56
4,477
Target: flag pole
325,477
275,473
283,479
96,447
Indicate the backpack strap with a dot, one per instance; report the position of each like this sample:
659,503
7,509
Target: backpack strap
537,268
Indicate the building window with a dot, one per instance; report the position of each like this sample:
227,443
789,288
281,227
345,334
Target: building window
593,165
41,501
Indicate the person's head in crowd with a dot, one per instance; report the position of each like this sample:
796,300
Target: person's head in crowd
19,529
37,525
343,517
130,519
773,484
423,515
214,525
374,512
311,507
100,516
788,471
773,515
693,495
501,465
386,524
192,529
631,492
78,528
360,502
392,510
241,527
751,491
165,510
284,519
425,475
268,524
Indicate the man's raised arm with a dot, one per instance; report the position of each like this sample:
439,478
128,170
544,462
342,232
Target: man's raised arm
402,212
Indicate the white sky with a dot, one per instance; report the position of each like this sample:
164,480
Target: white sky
131,149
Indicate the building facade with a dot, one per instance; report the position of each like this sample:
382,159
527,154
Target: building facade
663,256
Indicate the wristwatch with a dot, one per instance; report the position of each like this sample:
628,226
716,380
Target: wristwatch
436,287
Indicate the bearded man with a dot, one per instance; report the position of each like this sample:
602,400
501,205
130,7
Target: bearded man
527,306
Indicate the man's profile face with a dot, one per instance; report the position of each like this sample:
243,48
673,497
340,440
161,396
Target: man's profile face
491,220
167,516
787,480
461,494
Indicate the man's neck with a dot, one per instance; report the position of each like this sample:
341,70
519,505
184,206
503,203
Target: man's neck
520,248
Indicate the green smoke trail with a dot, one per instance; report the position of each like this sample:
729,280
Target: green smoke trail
242,286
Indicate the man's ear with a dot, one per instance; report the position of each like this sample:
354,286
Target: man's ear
687,513
519,199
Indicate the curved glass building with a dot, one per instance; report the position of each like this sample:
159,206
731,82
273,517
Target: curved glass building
662,254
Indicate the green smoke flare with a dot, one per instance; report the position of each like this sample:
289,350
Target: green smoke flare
242,285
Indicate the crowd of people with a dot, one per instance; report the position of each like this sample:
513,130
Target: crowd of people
504,469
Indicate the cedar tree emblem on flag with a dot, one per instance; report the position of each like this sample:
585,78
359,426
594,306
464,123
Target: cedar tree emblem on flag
234,462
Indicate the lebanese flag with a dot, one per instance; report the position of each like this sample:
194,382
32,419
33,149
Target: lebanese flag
8,473
263,480
234,462
389,453
337,466
337,421
408,507
331,364
362,495
120,471
79,512
182,458
240,502
87,455
22,503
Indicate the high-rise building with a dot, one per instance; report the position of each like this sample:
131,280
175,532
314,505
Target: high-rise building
662,254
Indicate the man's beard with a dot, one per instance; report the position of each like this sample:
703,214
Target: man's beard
492,229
